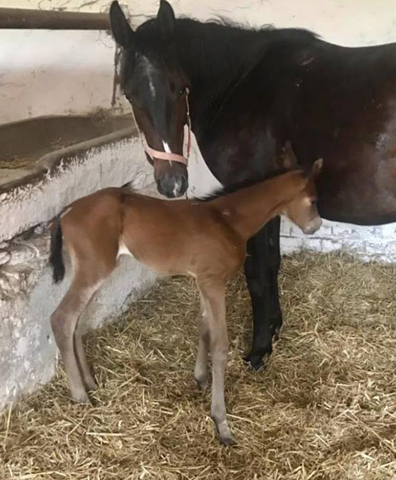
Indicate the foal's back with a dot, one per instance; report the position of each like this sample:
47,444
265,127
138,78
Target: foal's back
171,237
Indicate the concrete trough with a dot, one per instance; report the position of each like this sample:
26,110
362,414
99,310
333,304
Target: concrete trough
48,163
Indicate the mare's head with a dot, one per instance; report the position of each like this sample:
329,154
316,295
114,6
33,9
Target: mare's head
302,208
157,90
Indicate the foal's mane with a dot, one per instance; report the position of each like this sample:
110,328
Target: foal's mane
221,192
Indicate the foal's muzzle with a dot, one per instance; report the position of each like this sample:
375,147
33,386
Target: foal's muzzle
312,226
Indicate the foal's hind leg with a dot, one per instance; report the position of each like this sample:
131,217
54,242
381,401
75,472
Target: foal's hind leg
63,322
88,379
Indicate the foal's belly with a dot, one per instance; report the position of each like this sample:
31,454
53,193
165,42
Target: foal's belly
197,258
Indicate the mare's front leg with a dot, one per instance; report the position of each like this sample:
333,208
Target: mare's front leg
261,270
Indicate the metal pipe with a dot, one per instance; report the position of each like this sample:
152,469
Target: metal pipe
21,18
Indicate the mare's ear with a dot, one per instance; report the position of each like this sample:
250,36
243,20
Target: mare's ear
122,32
288,159
316,168
166,20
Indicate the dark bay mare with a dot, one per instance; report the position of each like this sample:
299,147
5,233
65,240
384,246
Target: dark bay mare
248,91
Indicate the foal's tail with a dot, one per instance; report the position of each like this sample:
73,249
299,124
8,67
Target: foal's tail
56,257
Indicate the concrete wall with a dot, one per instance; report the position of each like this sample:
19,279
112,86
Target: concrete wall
28,353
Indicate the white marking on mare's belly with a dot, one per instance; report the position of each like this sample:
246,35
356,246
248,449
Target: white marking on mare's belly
123,250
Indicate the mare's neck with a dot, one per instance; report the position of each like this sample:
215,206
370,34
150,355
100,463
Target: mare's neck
249,209
216,59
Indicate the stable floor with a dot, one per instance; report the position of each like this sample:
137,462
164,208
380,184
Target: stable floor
324,408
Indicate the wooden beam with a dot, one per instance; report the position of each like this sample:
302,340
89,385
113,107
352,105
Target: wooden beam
20,18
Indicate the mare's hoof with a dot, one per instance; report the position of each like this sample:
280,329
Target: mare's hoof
257,361
276,333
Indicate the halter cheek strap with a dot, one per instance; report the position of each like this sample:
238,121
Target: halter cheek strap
171,157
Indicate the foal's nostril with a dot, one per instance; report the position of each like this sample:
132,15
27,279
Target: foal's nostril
312,227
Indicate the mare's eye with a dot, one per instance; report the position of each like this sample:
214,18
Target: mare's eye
314,202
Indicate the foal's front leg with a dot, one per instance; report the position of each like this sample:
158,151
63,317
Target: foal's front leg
214,303
201,364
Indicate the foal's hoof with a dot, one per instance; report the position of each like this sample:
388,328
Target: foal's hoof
228,441
202,383
92,385
225,435
81,398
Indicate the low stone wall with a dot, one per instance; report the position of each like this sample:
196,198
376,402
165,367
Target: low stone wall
28,297
377,243
28,352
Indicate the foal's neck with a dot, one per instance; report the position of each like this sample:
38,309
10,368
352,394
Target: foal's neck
249,209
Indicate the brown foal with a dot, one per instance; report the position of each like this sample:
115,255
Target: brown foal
206,240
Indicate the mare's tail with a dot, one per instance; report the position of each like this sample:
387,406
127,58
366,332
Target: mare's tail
56,257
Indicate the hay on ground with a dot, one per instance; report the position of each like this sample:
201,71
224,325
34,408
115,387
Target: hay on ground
324,408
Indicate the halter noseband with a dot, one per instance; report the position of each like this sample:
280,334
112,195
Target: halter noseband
171,157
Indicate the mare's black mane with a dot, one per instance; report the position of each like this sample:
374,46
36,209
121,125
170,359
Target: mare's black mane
218,54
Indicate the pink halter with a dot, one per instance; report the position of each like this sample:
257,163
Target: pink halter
171,157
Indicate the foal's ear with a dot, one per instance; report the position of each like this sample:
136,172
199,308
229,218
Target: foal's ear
316,168
288,159
122,32
166,20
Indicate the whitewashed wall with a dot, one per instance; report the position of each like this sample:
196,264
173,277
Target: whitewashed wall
61,72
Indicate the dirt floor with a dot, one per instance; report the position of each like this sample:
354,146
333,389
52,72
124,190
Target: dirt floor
324,408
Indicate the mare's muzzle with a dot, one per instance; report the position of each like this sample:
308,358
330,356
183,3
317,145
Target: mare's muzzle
173,181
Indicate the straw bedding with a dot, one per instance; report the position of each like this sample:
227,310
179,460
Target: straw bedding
323,408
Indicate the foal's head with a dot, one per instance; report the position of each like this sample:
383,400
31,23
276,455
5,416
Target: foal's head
302,208
157,89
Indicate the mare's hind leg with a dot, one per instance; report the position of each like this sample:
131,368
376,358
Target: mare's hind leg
261,270
201,364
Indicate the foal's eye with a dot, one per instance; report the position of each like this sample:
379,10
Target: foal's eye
314,202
